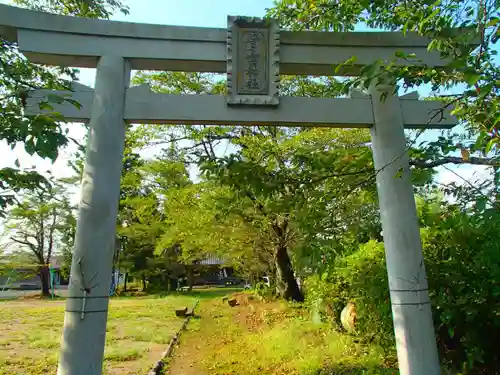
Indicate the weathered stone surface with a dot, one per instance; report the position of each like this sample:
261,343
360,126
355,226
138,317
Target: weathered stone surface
181,312
411,309
252,61
84,332
253,55
348,317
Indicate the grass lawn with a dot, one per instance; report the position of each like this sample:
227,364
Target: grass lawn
269,338
249,339
139,329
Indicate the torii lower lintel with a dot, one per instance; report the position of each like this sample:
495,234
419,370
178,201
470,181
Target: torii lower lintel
142,106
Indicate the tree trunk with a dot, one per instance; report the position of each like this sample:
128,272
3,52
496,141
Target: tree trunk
496,183
286,283
189,280
125,282
44,274
144,283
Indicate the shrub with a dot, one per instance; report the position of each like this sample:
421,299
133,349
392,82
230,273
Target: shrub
360,278
462,255
463,265
264,292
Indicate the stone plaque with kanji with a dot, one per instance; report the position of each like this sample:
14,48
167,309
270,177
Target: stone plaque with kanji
252,61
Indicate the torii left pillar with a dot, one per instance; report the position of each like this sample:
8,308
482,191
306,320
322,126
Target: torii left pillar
82,347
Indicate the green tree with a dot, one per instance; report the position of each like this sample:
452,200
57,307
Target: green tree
295,187
141,213
472,71
67,232
16,265
78,8
199,222
42,135
36,226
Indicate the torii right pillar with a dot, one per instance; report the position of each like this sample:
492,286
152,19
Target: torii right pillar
411,309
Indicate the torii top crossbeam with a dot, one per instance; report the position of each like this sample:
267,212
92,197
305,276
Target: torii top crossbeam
68,41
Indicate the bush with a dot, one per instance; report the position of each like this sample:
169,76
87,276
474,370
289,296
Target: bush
360,278
264,292
462,254
463,265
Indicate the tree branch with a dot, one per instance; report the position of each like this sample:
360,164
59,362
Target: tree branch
32,247
332,175
258,204
26,242
454,160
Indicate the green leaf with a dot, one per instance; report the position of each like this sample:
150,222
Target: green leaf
44,106
53,98
493,21
472,78
29,146
489,145
481,203
433,45
348,62
399,173
74,102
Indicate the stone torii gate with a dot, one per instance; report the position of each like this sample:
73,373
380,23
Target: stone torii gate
253,53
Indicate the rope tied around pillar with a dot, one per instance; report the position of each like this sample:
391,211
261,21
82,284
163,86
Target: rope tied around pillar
86,289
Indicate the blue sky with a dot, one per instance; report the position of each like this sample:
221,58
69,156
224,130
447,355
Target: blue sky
192,12
170,12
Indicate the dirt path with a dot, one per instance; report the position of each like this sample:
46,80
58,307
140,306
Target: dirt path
218,326
186,358
257,338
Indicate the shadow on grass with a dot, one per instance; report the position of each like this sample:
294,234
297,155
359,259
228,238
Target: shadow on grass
209,293
33,297
201,293
346,369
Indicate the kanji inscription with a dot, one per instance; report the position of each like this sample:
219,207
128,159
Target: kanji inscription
253,66
252,61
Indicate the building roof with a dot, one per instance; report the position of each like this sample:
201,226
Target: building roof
211,260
